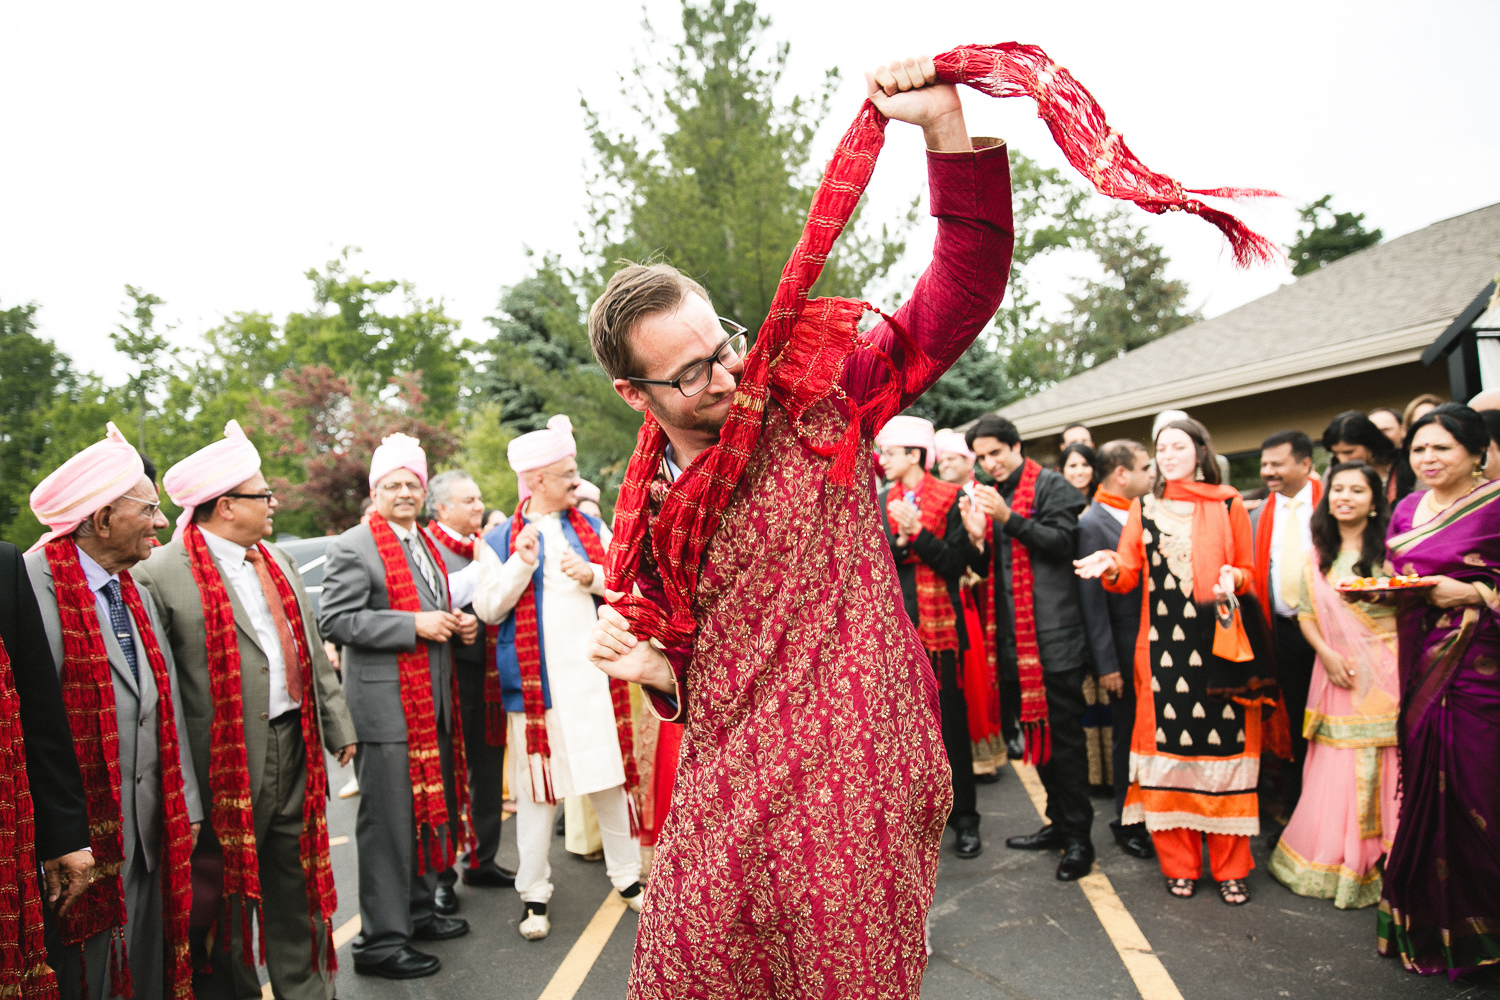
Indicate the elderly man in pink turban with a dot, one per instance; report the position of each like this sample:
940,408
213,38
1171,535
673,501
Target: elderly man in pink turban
119,686
386,600
541,578
261,703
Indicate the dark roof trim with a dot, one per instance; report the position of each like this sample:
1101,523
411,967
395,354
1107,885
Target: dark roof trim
1465,319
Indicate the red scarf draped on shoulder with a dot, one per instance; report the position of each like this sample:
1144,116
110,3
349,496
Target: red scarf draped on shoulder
937,622
23,950
806,343
1028,653
529,659
232,812
494,703
423,758
88,694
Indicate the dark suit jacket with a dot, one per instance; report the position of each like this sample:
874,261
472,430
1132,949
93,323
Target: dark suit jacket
1113,621
464,654
948,556
1050,535
62,822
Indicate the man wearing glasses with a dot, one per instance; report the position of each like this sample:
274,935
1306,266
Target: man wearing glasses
386,600
119,679
800,853
242,631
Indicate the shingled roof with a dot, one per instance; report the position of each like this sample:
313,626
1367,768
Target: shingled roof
1373,309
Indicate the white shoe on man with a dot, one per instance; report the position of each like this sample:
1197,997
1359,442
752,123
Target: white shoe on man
534,924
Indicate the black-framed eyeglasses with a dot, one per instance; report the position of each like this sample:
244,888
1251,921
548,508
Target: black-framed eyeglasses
267,496
695,378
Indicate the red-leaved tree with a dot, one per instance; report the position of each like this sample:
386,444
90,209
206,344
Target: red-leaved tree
321,425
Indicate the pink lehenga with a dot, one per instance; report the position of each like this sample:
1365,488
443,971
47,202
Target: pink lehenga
1346,818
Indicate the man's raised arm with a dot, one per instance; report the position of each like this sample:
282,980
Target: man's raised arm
969,183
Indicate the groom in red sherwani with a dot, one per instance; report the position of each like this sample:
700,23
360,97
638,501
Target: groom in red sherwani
801,850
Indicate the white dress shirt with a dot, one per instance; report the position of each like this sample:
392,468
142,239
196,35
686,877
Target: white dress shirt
1304,524
242,576
411,543
462,582
98,579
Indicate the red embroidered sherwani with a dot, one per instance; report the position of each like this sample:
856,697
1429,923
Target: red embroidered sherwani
800,853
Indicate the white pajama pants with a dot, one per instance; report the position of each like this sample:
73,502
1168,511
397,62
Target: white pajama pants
534,835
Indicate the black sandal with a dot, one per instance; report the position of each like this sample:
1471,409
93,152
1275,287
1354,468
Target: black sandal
1234,887
1175,885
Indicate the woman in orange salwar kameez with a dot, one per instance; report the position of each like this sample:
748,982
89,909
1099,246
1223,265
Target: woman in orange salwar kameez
1195,749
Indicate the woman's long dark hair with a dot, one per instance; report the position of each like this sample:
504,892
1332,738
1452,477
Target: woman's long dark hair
1353,427
1325,528
1079,448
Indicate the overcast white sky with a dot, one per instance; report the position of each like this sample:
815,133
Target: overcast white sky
212,153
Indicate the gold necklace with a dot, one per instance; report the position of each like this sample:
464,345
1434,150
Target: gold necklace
1432,504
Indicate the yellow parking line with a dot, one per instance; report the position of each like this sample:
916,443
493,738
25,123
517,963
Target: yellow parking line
341,936
585,951
1152,980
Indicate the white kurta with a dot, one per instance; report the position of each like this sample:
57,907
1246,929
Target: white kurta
581,721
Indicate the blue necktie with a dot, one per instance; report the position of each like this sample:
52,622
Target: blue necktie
119,620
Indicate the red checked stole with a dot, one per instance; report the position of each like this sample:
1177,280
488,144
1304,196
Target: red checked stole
1028,654
23,951
423,758
231,811
494,704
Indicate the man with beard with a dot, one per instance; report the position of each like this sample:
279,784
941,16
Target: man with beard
812,784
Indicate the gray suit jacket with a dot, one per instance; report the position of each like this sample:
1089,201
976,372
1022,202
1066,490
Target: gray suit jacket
355,612
136,707
168,574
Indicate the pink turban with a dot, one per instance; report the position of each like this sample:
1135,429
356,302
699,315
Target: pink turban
587,491
398,451
95,477
951,442
210,472
909,432
540,449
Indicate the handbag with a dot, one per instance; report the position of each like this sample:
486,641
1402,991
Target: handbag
1230,639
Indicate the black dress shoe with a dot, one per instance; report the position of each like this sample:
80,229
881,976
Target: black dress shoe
407,963
1134,839
1015,747
1077,861
968,845
490,876
445,900
987,777
1047,838
441,929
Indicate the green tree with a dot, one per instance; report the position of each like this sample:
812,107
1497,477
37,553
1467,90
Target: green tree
33,372
483,456
538,364
151,354
1133,304
716,177
348,331
1328,236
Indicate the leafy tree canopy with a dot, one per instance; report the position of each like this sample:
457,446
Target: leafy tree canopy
1327,236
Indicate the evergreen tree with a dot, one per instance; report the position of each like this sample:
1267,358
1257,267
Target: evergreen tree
1328,236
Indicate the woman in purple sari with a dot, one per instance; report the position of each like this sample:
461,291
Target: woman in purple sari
1440,909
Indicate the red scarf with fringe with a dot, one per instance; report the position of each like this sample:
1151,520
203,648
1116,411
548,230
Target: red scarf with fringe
423,758
89,695
981,682
1028,654
23,950
807,343
937,624
232,813
494,704
529,660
